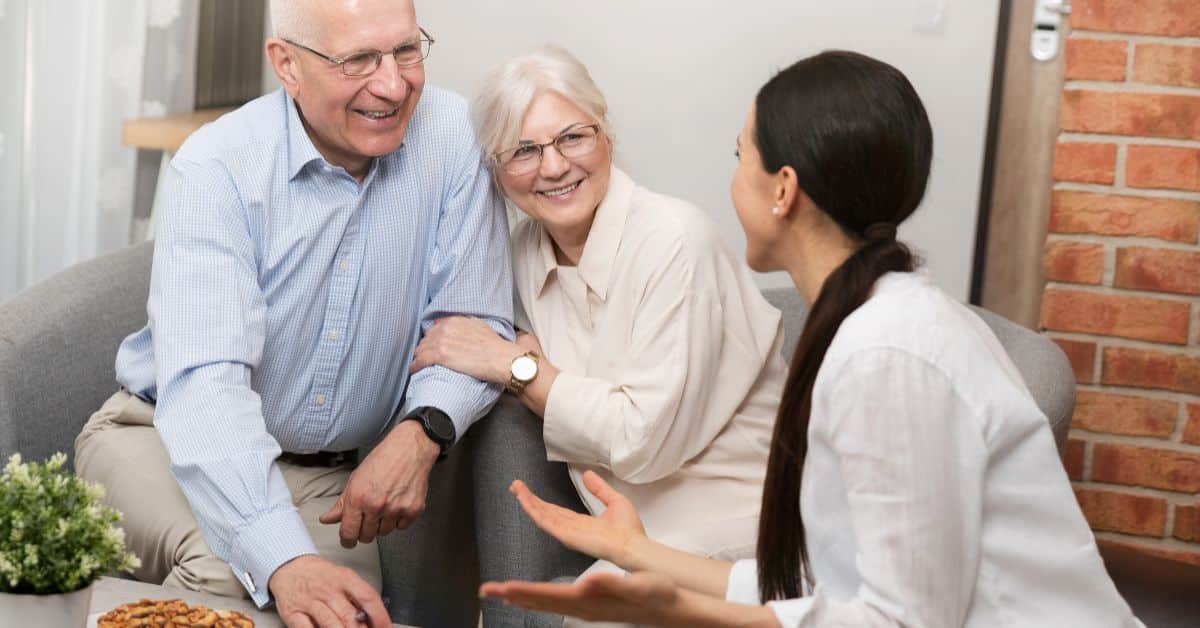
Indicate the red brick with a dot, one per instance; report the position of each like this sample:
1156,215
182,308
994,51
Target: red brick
1167,65
1096,59
1074,262
1134,465
1183,556
1085,162
1124,414
1122,113
1082,356
1145,368
1177,18
1187,523
1158,270
1104,214
1140,318
1170,167
1191,430
1073,458
1107,511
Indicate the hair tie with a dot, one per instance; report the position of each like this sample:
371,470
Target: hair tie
880,231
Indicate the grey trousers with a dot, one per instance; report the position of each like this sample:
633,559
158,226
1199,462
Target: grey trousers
473,530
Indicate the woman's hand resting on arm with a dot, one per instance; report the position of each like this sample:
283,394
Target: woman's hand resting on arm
469,346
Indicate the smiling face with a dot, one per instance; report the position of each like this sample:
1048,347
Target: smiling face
353,119
562,194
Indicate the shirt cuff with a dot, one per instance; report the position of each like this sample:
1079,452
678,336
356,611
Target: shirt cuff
464,399
742,587
792,613
574,432
264,545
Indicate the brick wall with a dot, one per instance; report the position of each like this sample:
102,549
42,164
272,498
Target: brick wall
1123,265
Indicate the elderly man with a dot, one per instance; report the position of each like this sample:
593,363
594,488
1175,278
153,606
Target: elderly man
306,241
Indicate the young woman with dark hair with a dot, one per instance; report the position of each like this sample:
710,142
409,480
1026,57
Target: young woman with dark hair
912,480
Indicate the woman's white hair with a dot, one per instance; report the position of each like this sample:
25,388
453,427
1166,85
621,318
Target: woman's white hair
508,90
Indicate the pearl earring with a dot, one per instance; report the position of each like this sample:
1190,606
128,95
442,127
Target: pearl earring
775,211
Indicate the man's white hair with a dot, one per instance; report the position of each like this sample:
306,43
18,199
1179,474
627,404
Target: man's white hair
290,19
508,91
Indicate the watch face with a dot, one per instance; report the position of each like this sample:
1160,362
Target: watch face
441,425
524,368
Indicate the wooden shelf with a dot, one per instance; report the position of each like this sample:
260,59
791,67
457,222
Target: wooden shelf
167,133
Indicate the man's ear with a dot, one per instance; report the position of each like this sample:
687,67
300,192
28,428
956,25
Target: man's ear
283,61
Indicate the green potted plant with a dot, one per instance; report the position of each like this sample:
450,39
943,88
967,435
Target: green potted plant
56,539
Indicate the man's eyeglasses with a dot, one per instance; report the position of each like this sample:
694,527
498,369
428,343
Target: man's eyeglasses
366,62
576,141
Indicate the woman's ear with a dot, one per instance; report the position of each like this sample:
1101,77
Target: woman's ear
283,62
787,191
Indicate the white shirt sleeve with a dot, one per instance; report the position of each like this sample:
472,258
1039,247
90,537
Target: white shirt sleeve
912,458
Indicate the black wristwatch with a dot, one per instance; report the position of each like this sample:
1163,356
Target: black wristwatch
437,425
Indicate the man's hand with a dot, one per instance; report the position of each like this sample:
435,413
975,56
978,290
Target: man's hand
311,591
387,490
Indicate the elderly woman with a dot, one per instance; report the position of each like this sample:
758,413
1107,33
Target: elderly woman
651,356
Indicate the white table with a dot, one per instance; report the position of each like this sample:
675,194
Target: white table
109,593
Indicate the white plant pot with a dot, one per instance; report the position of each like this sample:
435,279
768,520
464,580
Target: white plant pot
69,610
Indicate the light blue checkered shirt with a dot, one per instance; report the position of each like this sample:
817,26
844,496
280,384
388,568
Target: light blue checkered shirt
286,300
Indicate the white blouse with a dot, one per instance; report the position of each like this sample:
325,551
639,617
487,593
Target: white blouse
933,495
671,366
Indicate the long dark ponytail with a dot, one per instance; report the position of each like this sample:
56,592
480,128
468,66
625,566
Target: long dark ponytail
858,137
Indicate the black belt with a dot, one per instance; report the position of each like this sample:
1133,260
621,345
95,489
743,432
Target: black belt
319,458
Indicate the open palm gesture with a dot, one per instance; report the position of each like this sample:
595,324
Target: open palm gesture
607,536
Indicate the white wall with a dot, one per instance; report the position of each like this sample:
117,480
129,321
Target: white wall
680,74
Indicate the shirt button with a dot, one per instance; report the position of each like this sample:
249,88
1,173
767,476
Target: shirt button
333,335
343,266
319,400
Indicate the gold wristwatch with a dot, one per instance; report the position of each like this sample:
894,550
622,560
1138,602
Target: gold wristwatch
522,371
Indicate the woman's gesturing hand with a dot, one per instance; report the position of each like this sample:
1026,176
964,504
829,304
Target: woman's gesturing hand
607,536
642,598
469,346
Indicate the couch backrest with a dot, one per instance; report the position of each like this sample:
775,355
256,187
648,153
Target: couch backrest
58,343
1042,364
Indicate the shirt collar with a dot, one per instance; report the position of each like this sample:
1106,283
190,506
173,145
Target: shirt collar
301,150
602,241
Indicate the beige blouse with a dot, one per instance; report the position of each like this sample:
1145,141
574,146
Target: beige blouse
671,366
